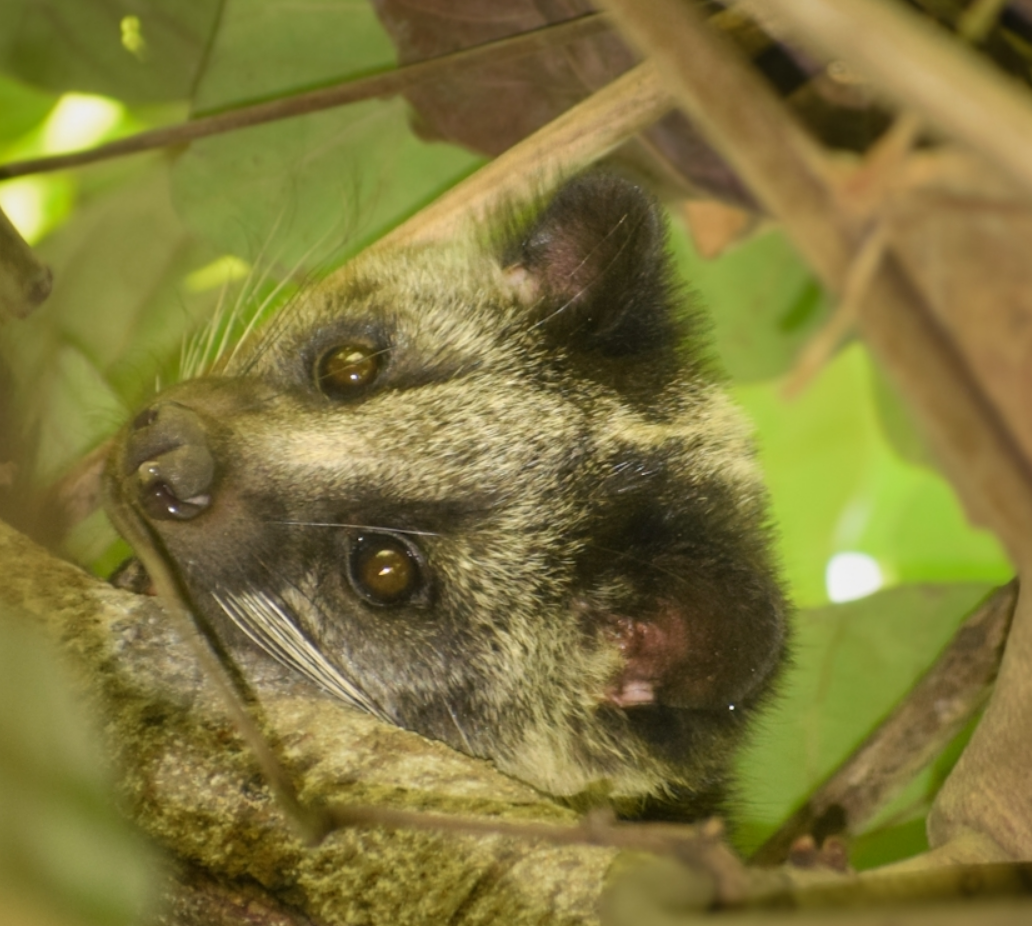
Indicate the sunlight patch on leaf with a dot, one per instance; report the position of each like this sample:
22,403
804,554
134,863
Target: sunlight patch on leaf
80,120
851,575
836,485
218,273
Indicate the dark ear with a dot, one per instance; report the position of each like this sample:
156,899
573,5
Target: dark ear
680,578
596,267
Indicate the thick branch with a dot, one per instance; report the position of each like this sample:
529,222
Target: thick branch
908,58
190,783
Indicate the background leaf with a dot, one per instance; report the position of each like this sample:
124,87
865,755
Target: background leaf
65,853
308,188
852,663
84,45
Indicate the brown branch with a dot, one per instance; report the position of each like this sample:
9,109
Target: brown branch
422,826
950,86
386,84
189,781
25,281
757,135
753,130
934,711
657,898
699,846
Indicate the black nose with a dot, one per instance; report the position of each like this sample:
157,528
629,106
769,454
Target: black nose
168,454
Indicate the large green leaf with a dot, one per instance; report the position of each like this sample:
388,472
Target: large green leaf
64,849
837,486
853,662
89,45
21,108
117,315
762,300
312,189
268,48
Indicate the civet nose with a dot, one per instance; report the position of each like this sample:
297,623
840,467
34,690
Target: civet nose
168,456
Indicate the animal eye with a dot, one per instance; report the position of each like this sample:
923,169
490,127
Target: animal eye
385,570
347,370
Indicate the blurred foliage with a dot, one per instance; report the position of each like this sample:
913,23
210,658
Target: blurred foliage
66,856
139,252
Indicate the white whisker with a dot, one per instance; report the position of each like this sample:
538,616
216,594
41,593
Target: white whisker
360,527
267,624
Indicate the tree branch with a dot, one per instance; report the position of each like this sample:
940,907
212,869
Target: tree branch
25,281
947,84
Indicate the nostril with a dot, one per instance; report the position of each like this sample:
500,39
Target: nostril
168,458
160,500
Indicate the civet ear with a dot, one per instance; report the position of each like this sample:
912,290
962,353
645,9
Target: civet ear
679,577
594,268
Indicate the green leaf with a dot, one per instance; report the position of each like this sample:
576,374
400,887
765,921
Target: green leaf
763,301
63,846
853,663
269,48
310,190
89,45
116,316
898,424
23,107
837,486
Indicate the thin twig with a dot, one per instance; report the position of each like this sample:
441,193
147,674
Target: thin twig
240,701
863,191
866,192
934,711
386,84
739,113
820,348
701,846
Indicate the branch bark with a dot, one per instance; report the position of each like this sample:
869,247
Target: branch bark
25,281
188,781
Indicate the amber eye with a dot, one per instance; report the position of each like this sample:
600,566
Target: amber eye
385,570
347,370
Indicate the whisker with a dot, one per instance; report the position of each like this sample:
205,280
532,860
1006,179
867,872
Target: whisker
268,625
358,527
